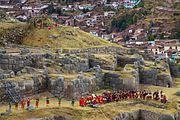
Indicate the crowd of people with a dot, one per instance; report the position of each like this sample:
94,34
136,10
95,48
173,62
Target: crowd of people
93,100
116,96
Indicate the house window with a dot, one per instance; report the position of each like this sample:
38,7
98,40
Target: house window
156,53
176,47
170,47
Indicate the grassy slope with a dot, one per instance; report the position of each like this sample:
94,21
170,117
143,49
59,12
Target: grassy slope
5,27
66,37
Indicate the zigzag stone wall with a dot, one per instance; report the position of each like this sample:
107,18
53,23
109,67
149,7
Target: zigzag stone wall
75,88
96,50
34,85
16,63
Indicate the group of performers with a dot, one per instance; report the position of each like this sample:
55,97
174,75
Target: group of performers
28,103
106,97
116,96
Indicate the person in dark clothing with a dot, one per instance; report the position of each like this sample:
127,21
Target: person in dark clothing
73,102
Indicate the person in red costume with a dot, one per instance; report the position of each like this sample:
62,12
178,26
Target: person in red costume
28,103
22,103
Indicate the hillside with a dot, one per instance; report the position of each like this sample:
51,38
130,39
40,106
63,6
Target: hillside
63,37
161,14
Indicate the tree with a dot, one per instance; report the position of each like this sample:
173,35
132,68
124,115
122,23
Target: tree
122,22
161,36
151,38
51,8
178,33
59,11
135,18
127,38
85,10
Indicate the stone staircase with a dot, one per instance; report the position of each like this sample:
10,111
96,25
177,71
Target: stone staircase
11,92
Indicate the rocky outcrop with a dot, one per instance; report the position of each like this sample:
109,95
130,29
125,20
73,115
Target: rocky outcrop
145,115
148,115
128,116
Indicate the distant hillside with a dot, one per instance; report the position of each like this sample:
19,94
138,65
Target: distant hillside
162,13
64,37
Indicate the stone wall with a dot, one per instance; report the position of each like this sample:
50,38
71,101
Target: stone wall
113,80
35,85
164,80
57,87
73,63
82,85
123,60
148,55
175,69
146,115
118,82
55,118
3,92
4,74
135,115
153,77
96,50
18,62
148,76
107,63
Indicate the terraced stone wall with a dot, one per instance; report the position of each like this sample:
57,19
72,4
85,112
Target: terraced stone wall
97,50
18,62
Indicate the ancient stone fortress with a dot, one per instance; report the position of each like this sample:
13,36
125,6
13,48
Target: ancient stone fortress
74,73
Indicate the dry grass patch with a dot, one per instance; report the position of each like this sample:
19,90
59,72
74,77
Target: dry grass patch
63,37
22,77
